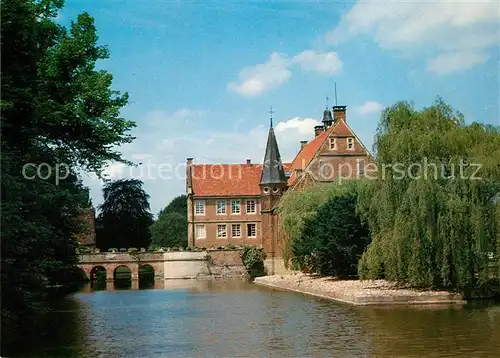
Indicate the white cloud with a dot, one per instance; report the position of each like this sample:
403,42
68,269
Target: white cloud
256,80
296,125
252,81
163,151
327,63
432,27
451,62
369,107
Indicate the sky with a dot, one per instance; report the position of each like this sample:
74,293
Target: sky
202,75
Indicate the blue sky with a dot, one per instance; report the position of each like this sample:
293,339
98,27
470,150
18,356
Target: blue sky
202,75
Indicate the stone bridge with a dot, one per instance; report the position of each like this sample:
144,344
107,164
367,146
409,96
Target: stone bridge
166,265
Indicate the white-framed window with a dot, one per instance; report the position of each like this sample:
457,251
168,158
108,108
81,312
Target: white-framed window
350,143
251,207
251,230
221,231
333,144
221,207
200,231
236,230
235,206
361,166
199,207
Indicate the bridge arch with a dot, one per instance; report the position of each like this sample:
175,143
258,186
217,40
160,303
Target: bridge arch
122,272
146,272
97,272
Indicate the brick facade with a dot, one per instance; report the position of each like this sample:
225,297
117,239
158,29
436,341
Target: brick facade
334,153
210,220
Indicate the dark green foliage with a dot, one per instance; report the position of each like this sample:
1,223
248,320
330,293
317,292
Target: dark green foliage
333,240
58,110
437,227
177,205
253,259
124,219
169,230
171,227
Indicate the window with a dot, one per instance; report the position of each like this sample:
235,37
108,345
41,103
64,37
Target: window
221,207
361,167
333,144
221,231
350,143
199,207
251,230
236,230
235,206
200,231
251,207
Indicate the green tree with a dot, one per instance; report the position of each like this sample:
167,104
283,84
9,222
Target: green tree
60,115
170,230
430,211
171,227
177,205
333,240
124,219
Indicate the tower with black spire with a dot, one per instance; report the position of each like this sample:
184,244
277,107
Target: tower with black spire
272,185
327,116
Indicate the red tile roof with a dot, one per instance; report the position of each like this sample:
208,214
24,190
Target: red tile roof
306,154
227,179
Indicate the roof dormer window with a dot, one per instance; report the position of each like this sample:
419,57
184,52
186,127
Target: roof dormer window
333,144
350,143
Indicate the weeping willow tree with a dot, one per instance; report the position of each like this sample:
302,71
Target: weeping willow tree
433,208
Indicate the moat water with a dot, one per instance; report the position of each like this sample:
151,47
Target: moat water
238,319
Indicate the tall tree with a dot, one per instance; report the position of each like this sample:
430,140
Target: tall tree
171,227
333,239
177,205
59,116
430,210
124,219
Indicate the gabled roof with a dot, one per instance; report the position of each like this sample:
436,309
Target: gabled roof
272,169
222,180
306,154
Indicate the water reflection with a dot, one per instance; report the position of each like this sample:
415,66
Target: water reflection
187,318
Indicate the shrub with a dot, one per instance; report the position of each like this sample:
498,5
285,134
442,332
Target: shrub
253,260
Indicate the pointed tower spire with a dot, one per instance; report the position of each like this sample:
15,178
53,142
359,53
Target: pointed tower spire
272,170
271,115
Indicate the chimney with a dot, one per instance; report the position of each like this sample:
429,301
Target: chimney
249,162
303,143
318,130
339,113
189,184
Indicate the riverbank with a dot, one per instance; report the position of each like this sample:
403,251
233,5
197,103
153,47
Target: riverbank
355,292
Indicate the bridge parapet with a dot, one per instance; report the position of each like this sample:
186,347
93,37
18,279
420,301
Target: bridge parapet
168,265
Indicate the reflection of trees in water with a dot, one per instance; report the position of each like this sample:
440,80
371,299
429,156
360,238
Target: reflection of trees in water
63,331
431,330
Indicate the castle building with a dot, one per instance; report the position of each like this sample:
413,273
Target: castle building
235,203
